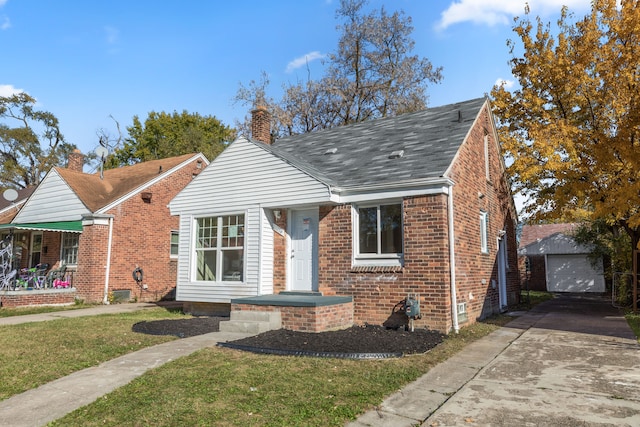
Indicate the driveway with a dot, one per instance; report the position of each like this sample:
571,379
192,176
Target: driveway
576,363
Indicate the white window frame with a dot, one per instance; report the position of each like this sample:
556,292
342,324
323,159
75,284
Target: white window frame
219,249
378,259
63,248
484,232
175,245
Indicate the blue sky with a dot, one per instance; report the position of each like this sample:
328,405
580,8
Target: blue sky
85,61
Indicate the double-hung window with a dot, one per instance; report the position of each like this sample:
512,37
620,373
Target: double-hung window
175,239
378,234
220,248
70,243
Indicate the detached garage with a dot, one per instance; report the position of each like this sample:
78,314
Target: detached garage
556,263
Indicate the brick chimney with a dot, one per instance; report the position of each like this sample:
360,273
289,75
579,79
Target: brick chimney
261,124
75,161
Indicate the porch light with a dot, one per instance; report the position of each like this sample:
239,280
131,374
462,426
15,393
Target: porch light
277,214
146,196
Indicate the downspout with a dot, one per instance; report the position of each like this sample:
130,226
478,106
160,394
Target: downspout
105,300
452,262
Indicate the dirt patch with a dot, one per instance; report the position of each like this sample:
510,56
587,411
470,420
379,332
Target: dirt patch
356,339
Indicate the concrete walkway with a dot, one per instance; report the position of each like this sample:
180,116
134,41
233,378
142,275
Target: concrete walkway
54,400
570,361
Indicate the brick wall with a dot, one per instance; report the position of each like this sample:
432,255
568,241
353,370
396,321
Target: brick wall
536,278
26,298
379,292
473,192
308,319
141,238
280,255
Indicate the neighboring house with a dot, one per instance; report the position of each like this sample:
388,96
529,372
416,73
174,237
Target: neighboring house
372,212
9,208
552,261
101,228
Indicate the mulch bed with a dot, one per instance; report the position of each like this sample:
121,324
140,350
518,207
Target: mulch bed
368,339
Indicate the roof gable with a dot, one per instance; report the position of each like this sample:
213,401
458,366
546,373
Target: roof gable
413,146
96,192
536,232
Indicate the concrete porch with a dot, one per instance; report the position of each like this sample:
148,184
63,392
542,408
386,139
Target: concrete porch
297,311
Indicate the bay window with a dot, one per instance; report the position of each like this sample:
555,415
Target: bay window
220,248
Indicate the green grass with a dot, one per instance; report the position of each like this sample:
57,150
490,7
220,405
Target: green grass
634,322
223,387
529,299
23,311
39,352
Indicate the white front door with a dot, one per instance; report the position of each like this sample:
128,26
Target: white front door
304,250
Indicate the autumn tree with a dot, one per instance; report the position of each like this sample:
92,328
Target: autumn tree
165,135
572,127
371,74
30,142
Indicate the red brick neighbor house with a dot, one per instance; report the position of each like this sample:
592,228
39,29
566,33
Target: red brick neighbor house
355,224
551,260
98,229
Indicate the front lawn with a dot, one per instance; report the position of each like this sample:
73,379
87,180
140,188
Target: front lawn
222,387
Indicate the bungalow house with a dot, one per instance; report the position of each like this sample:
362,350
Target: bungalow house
413,208
99,228
552,261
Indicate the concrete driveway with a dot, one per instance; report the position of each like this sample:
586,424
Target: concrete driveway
576,363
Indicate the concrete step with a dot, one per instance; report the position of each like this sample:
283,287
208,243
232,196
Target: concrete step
252,322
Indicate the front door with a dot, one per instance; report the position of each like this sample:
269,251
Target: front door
304,250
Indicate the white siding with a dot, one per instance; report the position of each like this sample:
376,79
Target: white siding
52,201
246,175
266,275
244,178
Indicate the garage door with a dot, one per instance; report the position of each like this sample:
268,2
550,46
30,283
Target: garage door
573,273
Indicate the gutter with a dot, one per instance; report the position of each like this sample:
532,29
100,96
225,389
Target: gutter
452,262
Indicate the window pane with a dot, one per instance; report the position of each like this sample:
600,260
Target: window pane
70,248
206,265
174,242
391,229
207,232
232,264
368,224
232,231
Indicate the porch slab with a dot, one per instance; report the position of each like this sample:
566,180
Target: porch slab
305,312
292,299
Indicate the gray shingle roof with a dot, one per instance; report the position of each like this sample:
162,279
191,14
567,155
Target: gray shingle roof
428,141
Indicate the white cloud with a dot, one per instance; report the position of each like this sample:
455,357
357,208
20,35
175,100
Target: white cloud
500,12
507,84
303,60
8,90
5,24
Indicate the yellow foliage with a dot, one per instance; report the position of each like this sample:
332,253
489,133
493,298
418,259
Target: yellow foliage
571,129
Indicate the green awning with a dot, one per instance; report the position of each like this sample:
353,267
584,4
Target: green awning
62,226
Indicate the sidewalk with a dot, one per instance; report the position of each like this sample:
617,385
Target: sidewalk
54,400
